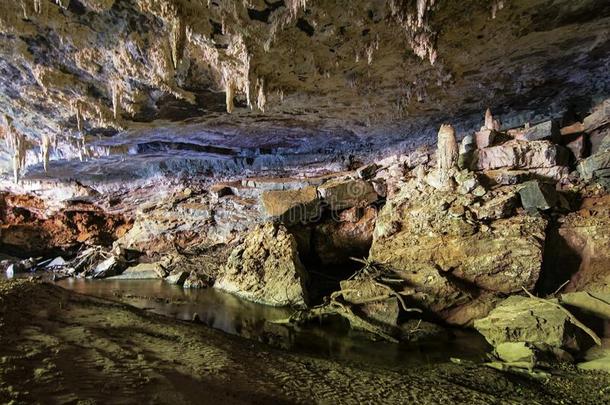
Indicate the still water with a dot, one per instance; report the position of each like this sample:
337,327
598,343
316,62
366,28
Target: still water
228,313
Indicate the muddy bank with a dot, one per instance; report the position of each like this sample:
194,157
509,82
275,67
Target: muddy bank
61,347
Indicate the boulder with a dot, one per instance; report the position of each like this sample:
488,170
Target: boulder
548,130
142,271
594,165
518,154
535,195
528,320
177,277
266,268
577,146
504,177
346,193
434,241
291,206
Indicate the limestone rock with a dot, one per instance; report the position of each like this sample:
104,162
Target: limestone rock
291,206
440,254
527,320
142,271
520,155
593,165
535,195
485,138
266,268
548,130
340,194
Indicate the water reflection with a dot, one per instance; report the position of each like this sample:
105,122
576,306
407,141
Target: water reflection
225,312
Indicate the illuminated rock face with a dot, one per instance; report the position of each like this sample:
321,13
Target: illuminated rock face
80,72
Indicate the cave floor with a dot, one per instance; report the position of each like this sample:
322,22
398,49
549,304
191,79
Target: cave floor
58,346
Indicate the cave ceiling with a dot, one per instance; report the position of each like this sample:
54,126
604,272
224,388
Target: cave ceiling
129,75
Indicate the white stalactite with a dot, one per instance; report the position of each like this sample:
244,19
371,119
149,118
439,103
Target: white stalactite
261,100
45,149
17,145
116,98
230,94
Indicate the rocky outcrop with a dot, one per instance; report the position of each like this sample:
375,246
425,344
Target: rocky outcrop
439,245
266,268
30,227
517,155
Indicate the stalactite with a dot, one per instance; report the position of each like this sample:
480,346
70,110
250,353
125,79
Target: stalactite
116,98
230,94
496,6
447,148
38,6
177,35
261,100
45,149
77,107
17,144
63,3
24,7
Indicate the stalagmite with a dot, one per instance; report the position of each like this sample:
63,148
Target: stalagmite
447,148
489,119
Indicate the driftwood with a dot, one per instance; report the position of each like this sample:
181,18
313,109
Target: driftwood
338,306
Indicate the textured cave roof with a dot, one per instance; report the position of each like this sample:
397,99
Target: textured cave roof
315,77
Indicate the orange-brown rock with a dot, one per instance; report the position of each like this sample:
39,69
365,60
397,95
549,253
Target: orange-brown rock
28,229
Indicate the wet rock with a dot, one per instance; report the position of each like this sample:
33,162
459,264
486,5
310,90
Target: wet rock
362,294
520,155
196,280
340,194
142,271
57,262
548,130
177,277
291,206
535,195
266,268
111,266
528,320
